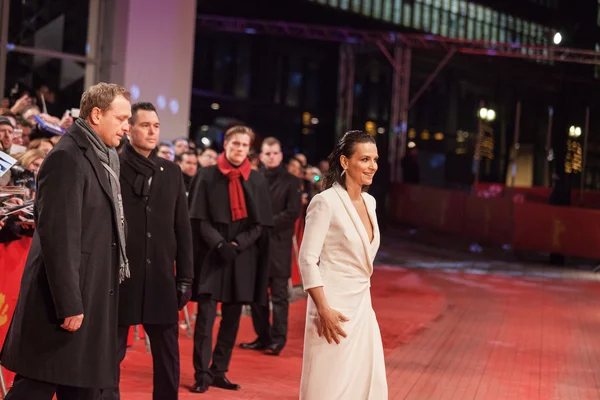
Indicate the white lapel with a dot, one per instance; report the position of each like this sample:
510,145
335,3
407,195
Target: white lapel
362,232
373,216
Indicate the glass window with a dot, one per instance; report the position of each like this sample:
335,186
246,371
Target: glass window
495,18
397,11
356,5
479,13
435,22
427,17
366,7
322,1
454,6
446,5
444,23
478,31
598,18
295,78
470,29
428,2
387,10
417,16
407,14
525,28
437,3
452,25
462,7
597,67
518,25
344,4
502,35
472,12
494,34
377,9
486,32
488,16
462,27
503,20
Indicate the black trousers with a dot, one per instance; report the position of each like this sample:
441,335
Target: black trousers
203,350
165,360
30,389
275,333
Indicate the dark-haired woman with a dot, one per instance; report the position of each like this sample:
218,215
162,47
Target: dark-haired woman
343,354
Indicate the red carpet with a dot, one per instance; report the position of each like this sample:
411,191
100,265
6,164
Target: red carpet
404,305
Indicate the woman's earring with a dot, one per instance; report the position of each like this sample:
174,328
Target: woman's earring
343,172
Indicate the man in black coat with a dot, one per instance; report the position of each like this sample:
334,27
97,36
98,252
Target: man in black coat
63,334
231,213
159,248
286,200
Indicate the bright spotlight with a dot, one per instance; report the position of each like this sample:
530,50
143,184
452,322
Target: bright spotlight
411,145
204,128
483,113
557,38
381,130
577,132
215,106
491,115
205,141
314,120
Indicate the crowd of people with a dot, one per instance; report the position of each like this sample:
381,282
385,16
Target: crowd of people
128,229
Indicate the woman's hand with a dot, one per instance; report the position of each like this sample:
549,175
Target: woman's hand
329,325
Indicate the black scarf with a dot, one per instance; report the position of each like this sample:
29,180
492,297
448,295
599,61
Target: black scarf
274,174
142,169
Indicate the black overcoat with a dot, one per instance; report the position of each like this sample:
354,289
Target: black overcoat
285,191
245,280
72,268
159,243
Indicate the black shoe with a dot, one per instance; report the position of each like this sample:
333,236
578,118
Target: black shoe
273,349
224,383
256,345
199,388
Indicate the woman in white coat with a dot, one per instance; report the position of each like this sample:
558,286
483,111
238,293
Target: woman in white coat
343,355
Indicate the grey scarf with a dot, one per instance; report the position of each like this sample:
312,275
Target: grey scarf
110,161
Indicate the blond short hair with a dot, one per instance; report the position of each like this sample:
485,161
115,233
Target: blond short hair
239,130
100,95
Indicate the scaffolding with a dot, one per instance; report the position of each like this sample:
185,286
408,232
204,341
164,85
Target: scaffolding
402,45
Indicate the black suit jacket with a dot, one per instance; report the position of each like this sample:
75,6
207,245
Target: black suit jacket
159,244
72,269
285,191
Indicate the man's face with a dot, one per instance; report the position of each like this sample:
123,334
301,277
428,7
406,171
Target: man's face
237,148
166,152
189,164
271,155
181,146
112,124
6,136
208,158
145,130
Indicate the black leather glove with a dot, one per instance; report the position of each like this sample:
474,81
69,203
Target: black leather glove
227,251
184,293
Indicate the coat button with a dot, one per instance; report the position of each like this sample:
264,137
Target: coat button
148,261
149,234
113,246
148,208
111,292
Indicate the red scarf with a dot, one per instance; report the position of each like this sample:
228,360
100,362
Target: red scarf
237,201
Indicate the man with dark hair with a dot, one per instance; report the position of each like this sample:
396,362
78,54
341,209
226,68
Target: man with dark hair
188,162
166,151
231,212
286,199
159,237
182,145
63,334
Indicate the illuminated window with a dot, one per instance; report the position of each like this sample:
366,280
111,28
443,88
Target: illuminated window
407,14
377,9
366,7
344,4
487,16
597,67
427,17
503,20
480,13
598,18
356,5
397,11
454,6
478,31
388,11
437,4
486,32
417,16
470,29
444,23
462,8
322,1
502,35
428,2
435,22
495,18
472,11
462,26
494,34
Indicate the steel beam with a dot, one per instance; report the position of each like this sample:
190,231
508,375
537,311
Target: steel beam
431,77
419,41
389,57
394,131
351,64
50,53
4,22
404,100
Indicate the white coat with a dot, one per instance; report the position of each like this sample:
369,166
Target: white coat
336,254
